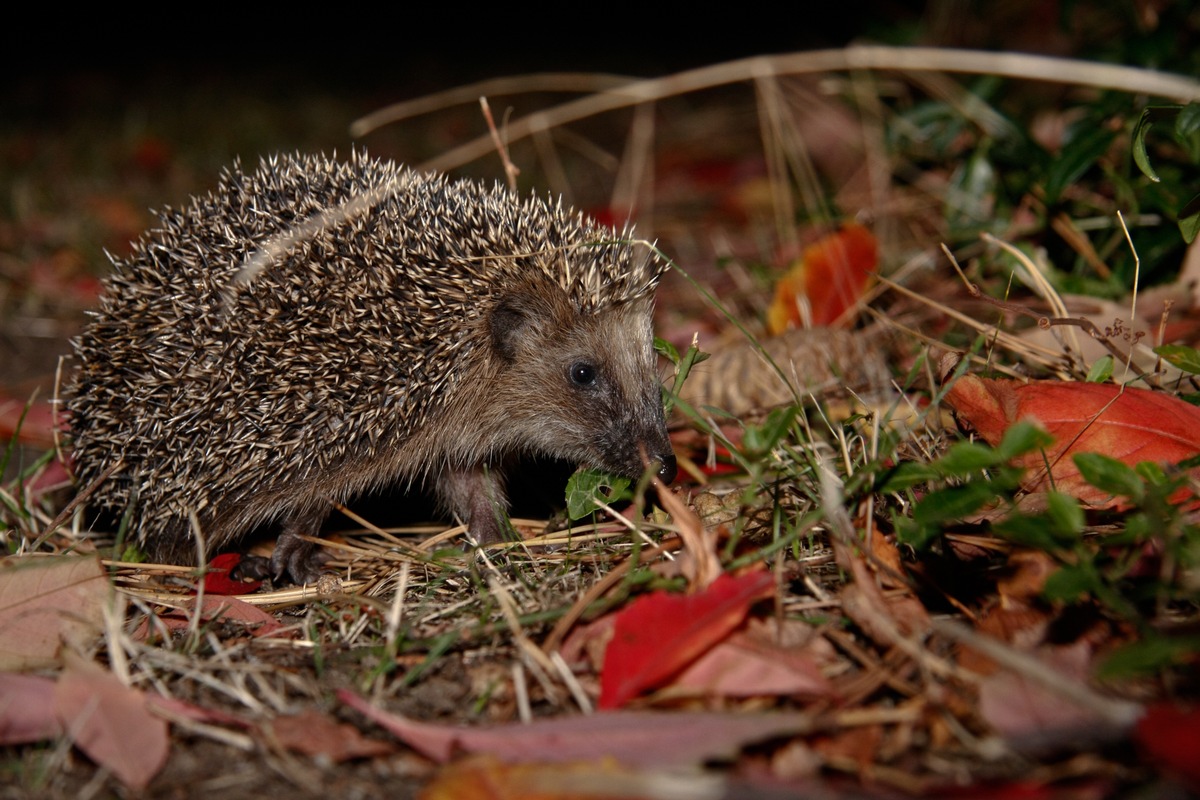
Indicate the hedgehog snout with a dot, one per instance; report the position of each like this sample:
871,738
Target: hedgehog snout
667,468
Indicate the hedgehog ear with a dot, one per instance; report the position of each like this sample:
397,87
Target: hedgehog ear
521,314
511,320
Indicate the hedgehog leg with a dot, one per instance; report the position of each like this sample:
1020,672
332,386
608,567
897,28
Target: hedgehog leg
476,495
295,556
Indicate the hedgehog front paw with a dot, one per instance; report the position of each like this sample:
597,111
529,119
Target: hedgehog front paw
298,558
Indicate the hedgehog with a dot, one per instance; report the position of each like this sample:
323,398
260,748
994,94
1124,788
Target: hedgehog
431,333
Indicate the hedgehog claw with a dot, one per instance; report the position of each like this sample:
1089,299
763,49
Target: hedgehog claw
298,558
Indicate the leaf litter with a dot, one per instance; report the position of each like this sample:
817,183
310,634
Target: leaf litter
834,602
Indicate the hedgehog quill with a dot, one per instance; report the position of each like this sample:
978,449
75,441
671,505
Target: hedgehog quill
429,338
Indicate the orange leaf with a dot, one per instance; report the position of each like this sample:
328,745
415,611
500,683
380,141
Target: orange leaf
660,634
829,279
1128,424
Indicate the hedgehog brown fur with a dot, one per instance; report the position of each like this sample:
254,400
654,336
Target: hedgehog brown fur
430,336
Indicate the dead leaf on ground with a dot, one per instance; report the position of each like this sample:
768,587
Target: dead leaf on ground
315,734
1128,424
659,634
1030,716
661,740
257,621
826,281
45,602
488,778
111,722
749,665
27,709
1170,736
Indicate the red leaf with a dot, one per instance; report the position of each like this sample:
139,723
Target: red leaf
31,421
1170,735
831,276
634,738
661,633
217,580
1128,424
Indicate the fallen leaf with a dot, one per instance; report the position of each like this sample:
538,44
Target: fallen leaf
633,738
26,709
31,421
748,666
1128,424
315,734
1032,717
174,708
257,622
110,722
659,634
1170,735
828,279
45,602
484,778
217,580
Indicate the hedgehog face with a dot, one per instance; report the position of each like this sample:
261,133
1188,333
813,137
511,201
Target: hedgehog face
581,387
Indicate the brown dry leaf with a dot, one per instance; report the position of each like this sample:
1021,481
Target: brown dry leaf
111,722
1029,570
699,562
1129,424
1017,624
853,745
315,734
45,602
633,738
744,377
880,618
26,709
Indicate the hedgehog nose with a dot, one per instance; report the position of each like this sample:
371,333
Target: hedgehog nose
667,470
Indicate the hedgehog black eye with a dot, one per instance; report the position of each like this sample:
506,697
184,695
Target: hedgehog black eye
583,373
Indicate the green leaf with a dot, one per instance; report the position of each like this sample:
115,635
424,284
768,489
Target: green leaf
907,475
1150,115
1035,532
666,350
953,503
1101,370
1079,154
1188,122
1111,475
588,485
1071,582
1149,655
761,439
1065,514
1021,438
1189,220
1181,356
967,458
